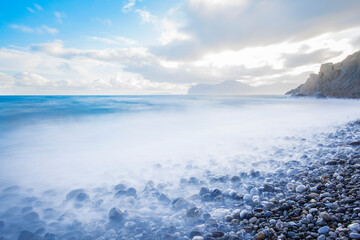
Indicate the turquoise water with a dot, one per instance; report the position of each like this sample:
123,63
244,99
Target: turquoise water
51,145
69,136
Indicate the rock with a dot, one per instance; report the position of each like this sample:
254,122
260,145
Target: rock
206,197
253,220
72,194
268,188
203,191
321,237
331,162
217,234
82,197
131,192
194,234
179,203
163,198
324,230
215,193
115,215
197,238
354,235
354,227
120,187
235,179
260,236
193,213
243,214
325,216
355,143
26,235
333,80
301,188
211,222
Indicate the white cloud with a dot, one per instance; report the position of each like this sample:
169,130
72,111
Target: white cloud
6,81
129,5
22,28
50,30
37,6
67,70
59,16
117,40
106,21
31,79
39,30
146,16
30,9
170,30
216,4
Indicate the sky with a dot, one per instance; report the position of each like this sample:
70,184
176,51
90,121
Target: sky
166,47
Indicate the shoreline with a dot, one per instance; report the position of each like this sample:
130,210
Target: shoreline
308,199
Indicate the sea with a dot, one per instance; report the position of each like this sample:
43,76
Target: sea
52,145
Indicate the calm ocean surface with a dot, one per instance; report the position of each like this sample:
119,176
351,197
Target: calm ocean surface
62,140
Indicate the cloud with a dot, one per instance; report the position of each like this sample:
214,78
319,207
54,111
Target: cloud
117,40
216,25
146,16
40,30
50,30
30,9
106,21
22,28
315,57
214,5
37,6
67,70
170,30
171,33
6,81
31,79
128,6
59,16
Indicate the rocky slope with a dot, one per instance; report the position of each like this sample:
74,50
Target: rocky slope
340,80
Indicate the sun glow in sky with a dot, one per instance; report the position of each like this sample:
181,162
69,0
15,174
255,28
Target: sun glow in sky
165,47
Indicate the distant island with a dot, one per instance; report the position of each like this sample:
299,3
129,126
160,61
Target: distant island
340,80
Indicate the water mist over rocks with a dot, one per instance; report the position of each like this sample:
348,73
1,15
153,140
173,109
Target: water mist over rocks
179,168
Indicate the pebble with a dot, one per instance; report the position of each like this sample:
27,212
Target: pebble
115,215
354,235
260,236
301,188
324,230
354,227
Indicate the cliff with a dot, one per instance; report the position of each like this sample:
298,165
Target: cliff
341,80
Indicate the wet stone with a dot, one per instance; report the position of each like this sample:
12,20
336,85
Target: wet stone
72,194
82,197
203,191
26,235
217,234
115,215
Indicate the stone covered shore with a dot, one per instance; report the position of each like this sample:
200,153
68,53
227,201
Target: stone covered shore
314,197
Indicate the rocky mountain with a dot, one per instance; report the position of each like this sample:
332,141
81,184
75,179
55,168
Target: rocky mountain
340,80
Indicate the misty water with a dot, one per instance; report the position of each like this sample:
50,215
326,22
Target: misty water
173,145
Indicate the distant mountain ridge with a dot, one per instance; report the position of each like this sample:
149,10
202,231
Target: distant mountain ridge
341,80
232,87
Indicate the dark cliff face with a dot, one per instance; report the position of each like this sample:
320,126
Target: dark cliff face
341,80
